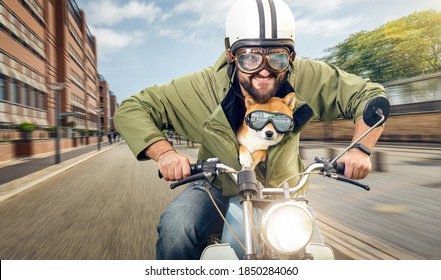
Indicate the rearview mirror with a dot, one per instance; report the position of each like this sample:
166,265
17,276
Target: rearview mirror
374,111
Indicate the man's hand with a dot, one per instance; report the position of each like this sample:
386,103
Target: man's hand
357,164
173,166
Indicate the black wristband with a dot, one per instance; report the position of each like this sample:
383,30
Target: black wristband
362,148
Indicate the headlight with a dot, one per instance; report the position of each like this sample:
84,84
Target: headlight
287,227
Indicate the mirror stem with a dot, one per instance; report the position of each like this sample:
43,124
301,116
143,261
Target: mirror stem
379,112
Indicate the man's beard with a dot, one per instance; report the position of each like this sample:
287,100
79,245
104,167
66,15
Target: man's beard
262,96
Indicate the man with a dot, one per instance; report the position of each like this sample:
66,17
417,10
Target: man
207,107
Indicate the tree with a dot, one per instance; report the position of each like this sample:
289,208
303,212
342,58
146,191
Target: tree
403,48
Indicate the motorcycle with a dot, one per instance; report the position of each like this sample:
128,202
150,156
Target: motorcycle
275,223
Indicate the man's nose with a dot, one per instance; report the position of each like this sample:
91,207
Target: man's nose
264,72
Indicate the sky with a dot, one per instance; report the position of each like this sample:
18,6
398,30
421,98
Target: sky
142,43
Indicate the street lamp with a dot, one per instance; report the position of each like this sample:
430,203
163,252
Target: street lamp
98,123
57,87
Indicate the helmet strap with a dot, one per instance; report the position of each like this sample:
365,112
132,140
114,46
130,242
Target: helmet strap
231,71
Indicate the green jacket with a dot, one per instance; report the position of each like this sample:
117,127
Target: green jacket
203,107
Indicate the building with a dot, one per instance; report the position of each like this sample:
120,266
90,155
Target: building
113,106
104,102
45,44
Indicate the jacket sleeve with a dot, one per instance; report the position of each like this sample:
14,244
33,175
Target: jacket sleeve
140,119
331,92
182,105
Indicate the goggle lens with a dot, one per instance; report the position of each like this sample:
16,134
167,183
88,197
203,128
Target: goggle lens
249,61
252,60
259,119
278,61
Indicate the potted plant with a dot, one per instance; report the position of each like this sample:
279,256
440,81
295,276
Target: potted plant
70,125
52,131
83,135
26,129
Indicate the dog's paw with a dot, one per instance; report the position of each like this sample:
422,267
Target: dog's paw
245,160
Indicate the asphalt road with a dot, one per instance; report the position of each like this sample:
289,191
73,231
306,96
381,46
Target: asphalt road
108,208
403,207
105,208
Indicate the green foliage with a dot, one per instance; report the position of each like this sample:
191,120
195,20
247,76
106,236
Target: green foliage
70,124
403,48
26,126
83,132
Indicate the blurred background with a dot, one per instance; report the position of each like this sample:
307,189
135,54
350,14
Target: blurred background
71,189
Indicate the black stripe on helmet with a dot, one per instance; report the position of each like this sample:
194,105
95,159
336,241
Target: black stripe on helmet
273,19
261,18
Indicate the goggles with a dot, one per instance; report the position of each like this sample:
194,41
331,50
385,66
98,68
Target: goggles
252,61
257,120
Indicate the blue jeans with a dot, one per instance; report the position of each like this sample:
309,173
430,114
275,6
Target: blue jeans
188,222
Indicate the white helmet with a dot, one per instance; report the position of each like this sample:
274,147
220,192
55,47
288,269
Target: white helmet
259,23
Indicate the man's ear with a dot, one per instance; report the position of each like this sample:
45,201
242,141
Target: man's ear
229,56
293,56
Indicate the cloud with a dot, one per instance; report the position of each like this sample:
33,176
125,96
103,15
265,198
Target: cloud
207,14
108,12
167,32
110,41
316,6
327,27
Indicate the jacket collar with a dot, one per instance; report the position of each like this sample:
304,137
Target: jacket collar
234,107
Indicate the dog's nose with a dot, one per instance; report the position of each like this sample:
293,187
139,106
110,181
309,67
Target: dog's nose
269,134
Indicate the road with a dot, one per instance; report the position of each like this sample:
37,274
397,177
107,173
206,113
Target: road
108,208
402,209
104,208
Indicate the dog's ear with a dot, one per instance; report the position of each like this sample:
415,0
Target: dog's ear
249,101
290,100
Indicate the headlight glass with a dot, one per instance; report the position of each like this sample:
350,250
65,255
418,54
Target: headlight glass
287,227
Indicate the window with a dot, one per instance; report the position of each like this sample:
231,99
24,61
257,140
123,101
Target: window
14,91
42,101
2,87
24,95
37,100
32,101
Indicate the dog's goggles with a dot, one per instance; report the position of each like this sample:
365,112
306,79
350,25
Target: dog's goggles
257,120
252,61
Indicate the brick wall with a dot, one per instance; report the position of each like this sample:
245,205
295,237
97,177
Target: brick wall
404,128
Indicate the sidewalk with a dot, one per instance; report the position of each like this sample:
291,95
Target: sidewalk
23,173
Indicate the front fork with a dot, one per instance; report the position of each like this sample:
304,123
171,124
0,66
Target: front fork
247,208
248,186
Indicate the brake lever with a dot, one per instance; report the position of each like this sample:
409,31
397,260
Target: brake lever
190,179
350,181
333,169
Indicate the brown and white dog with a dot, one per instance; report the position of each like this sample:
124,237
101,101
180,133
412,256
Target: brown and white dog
254,143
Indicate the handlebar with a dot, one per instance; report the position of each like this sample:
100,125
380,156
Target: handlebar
202,169
213,166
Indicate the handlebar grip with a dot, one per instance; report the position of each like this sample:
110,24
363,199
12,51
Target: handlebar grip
194,169
339,167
